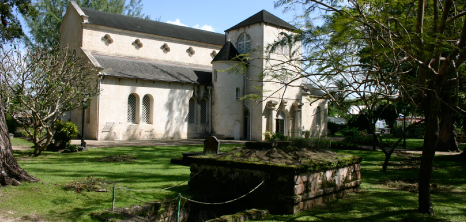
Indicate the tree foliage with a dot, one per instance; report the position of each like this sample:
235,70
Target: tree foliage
40,85
10,28
389,50
44,27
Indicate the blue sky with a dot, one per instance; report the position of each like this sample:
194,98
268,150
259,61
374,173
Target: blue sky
212,15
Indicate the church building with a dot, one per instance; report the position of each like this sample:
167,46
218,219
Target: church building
163,81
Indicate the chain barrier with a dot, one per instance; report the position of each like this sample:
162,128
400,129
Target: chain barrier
152,202
149,191
225,202
146,191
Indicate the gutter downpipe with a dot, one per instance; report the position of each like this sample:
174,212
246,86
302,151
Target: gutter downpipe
98,107
249,108
210,100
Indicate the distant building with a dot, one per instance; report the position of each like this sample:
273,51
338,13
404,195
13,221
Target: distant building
160,80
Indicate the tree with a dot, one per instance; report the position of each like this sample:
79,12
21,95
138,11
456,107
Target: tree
44,27
10,171
10,27
40,85
401,50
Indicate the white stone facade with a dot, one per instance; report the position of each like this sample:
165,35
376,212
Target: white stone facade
159,100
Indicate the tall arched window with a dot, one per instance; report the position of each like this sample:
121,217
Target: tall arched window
192,111
146,109
203,111
132,108
244,43
318,116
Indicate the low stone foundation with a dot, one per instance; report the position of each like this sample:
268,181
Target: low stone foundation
285,190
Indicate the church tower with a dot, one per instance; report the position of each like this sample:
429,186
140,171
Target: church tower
248,119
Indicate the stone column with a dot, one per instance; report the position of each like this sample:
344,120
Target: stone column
271,104
298,122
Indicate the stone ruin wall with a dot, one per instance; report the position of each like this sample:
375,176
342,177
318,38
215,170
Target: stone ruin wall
283,192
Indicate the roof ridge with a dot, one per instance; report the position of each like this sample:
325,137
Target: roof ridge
266,17
124,22
142,19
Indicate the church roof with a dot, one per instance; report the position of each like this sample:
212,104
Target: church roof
152,27
265,17
227,53
133,68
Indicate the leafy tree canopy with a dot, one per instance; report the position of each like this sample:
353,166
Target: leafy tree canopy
10,28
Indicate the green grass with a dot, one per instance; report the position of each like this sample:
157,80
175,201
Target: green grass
49,201
378,202
17,141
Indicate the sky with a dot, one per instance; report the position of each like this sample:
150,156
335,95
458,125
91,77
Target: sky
210,15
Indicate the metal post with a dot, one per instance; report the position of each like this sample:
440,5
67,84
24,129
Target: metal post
178,209
113,198
83,144
404,130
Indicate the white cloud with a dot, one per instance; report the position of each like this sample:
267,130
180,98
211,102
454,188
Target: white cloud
204,27
176,22
207,28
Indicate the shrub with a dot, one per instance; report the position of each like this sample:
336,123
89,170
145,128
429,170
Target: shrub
414,132
275,137
11,124
350,132
71,148
333,128
64,132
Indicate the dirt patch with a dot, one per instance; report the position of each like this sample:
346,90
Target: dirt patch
117,158
89,184
281,156
411,185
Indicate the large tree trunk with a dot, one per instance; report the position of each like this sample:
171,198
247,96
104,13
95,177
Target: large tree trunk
10,171
447,137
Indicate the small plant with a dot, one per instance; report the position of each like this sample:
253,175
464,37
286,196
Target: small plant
71,148
64,132
307,133
275,137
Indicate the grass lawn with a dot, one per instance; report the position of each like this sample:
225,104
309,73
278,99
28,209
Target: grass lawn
49,201
411,143
17,141
383,195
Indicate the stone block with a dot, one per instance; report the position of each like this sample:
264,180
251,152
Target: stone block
299,189
298,179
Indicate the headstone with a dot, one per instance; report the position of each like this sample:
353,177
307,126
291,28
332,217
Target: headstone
211,145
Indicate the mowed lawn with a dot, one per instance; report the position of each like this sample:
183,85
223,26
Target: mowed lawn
151,171
384,196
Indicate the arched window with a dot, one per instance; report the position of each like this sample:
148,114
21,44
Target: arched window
244,43
203,111
192,111
318,116
132,108
238,93
280,123
146,109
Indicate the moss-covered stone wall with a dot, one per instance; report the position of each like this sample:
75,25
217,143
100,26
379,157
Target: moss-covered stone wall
283,192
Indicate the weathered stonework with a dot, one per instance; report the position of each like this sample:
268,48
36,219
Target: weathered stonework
285,190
